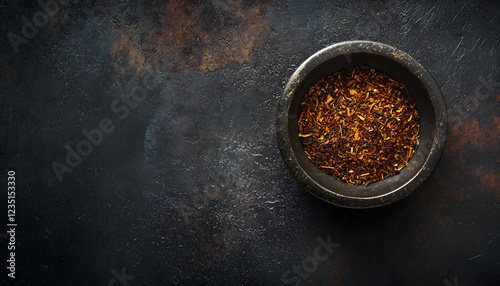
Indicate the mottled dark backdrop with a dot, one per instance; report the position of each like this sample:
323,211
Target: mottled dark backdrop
179,179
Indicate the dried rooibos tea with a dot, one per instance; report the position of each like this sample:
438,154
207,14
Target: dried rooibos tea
359,125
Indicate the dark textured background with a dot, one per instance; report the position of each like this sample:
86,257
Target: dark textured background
190,189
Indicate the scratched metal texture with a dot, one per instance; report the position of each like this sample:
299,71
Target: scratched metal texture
190,188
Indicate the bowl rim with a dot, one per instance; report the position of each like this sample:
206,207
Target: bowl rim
345,49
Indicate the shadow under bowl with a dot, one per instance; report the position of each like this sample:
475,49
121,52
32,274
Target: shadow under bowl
398,65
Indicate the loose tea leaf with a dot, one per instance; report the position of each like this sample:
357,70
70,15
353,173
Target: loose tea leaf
359,125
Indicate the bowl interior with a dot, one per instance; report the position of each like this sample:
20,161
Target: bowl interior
395,70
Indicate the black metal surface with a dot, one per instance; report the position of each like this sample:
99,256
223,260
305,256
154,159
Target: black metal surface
186,186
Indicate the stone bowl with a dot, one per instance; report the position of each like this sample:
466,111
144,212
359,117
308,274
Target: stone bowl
398,65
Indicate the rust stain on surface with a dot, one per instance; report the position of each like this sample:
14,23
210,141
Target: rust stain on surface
475,134
480,137
127,52
180,38
237,44
188,36
220,246
444,220
474,139
471,132
489,180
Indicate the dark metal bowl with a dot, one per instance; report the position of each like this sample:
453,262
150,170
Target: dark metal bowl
398,65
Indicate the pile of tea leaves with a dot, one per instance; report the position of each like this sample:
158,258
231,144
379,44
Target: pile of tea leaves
359,125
